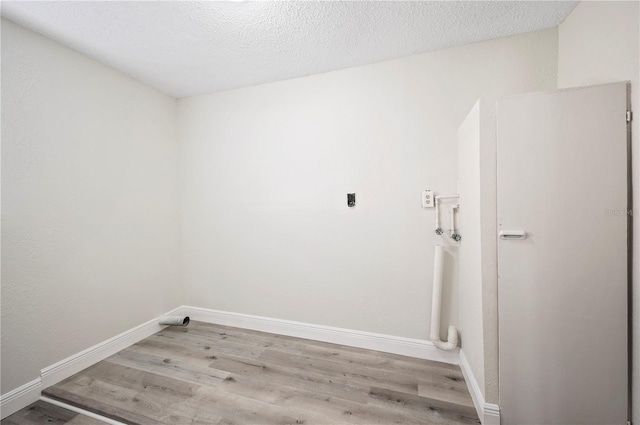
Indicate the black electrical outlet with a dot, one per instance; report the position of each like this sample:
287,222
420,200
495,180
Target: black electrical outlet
351,200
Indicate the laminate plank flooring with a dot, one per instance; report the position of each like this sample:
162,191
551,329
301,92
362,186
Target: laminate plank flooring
212,374
39,413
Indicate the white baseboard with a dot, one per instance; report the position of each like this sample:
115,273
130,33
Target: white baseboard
23,396
372,341
488,413
57,372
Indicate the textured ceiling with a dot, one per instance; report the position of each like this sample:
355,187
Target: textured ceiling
186,48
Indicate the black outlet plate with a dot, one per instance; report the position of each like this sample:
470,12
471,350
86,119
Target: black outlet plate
351,200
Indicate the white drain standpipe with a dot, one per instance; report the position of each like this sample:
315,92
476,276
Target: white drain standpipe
436,304
174,320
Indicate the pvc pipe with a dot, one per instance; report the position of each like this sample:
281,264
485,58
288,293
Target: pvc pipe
453,222
437,199
436,304
454,208
174,320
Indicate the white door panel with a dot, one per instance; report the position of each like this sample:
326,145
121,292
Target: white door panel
562,178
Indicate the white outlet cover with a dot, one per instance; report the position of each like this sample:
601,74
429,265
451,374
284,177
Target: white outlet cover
428,199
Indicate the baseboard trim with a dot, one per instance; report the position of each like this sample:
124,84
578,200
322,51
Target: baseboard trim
21,397
63,369
30,392
372,341
488,413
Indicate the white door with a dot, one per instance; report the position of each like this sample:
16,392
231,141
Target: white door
562,178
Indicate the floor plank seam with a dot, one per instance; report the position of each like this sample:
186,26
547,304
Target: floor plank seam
80,411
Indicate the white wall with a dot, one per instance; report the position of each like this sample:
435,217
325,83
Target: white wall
90,236
266,169
489,243
478,259
599,43
470,250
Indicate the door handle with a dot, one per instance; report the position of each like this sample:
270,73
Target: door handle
513,234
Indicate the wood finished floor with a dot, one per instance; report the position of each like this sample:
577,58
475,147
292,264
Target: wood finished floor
39,413
211,374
